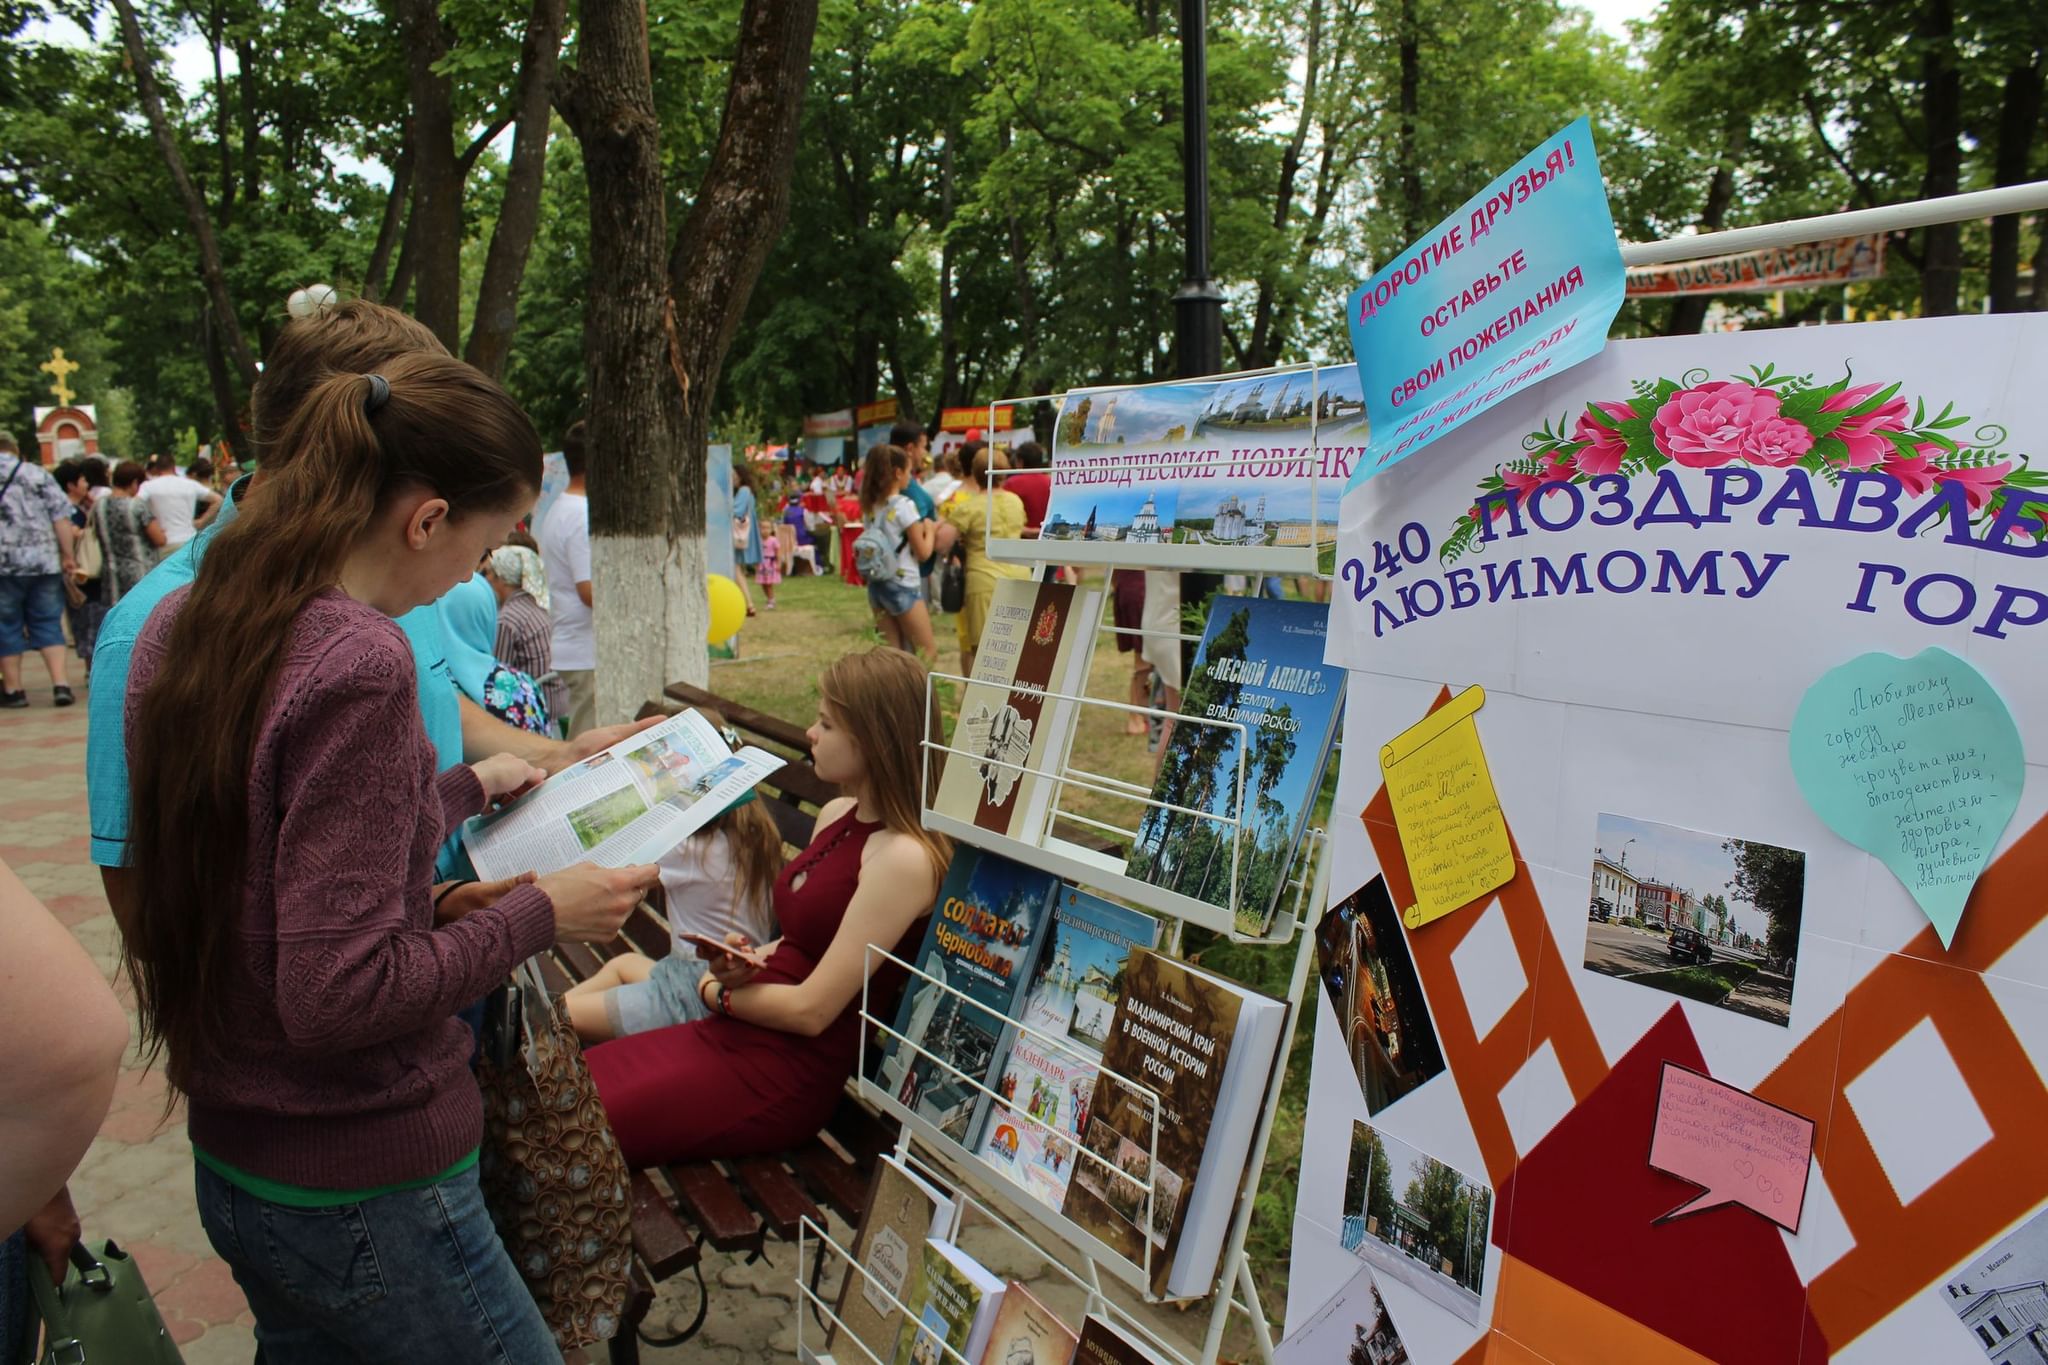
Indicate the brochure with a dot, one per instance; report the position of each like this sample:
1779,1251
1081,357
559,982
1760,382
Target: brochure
629,804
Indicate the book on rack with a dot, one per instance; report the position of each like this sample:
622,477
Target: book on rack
1072,996
957,1302
1027,1333
1040,638
1205,1045
904,1211
981,943
1260,664
1104,1343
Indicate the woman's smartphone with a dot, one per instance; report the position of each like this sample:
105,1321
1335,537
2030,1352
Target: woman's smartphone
718,947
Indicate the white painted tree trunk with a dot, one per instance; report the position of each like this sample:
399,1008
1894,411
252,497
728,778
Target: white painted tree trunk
652,616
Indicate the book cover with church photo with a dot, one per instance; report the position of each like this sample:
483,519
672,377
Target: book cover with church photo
1040,638
1260,664
1072,996
981,943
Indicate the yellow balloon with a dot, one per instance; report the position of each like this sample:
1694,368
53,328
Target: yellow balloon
728,609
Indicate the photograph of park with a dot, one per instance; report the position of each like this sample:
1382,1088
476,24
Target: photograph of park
1413,1218
1708,917
599,820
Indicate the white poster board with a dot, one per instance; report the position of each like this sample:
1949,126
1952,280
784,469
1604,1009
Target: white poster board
1644,638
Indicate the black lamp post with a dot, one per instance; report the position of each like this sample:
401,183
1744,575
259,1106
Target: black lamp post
1198,306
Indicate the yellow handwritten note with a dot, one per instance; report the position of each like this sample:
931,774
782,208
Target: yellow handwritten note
1446,810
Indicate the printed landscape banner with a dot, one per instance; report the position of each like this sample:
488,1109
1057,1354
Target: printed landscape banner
1838,260
1239,463
1648,563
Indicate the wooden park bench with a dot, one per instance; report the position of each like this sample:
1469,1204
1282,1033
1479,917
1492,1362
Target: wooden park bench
735,1205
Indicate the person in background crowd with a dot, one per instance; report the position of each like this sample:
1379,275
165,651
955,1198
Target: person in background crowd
565,549
98,481
1033,487
180,505
83,603
967,518
1127,607
718,882
746,530
798,522
896,596
766,1071
768,573
37,541
65,1035
914,443
1162,650
200,471
129,535
525,635
469,615
840,483
290,961
945,479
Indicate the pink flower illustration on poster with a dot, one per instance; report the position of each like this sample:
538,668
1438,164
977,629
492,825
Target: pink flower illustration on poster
1767,420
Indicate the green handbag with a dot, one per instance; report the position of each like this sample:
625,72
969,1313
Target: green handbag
101,1315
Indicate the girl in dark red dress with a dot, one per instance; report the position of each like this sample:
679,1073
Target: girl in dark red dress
765,1071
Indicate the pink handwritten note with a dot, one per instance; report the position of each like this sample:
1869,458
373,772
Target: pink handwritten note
1737,1148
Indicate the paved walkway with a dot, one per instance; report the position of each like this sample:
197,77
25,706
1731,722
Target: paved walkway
135,1184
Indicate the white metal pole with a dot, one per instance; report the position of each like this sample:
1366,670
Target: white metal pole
1954,208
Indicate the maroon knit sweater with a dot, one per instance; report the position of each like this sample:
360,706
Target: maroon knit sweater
348,1068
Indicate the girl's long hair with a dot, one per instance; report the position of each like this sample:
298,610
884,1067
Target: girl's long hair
883,464
752,838
446,429
878,696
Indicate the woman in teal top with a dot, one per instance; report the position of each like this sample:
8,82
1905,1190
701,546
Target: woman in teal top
469,617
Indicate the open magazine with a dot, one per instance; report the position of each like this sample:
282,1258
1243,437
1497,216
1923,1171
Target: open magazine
629,804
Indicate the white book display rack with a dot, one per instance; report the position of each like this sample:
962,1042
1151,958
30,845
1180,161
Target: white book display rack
1069,1250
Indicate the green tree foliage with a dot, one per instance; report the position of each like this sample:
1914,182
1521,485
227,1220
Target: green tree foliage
987,197
1772,879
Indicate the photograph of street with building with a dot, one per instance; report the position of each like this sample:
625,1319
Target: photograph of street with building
1411,1217
1362,955
1710,917
2002,1296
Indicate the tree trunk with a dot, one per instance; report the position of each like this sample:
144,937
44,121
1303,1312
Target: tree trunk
1941,96
222,383
433,239
188,194
2039,301
392,227
1409,167
497,298
653,374
2019,115
1689,314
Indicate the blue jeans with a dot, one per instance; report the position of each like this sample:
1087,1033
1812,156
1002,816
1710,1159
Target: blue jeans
31,610
417,1275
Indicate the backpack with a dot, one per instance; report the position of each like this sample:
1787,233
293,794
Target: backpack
873,556
949,580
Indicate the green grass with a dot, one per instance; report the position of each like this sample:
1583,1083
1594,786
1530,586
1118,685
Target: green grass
1709,984
817,619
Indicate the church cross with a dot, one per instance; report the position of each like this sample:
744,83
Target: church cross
60,369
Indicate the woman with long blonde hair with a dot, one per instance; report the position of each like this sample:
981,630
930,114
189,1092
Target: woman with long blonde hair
765,1070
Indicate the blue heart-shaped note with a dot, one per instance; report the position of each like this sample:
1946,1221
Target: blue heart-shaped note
1917,761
